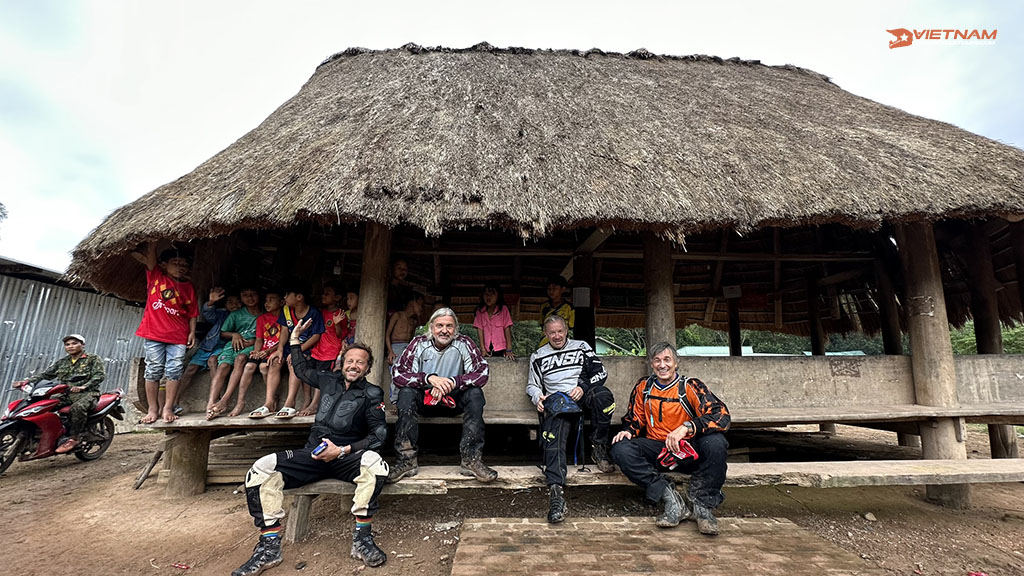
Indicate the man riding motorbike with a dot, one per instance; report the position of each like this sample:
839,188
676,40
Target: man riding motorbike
84,374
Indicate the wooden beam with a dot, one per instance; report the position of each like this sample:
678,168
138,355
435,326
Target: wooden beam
592,243
373,297
932,353
987,330
637,255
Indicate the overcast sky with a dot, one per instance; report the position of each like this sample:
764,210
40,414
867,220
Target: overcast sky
102,101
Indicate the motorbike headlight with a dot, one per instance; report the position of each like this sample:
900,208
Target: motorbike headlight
31,411
40,392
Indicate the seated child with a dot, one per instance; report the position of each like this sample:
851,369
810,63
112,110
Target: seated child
264,358
205,358
240,328
329,349
295,310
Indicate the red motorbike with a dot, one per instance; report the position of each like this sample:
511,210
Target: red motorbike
33,427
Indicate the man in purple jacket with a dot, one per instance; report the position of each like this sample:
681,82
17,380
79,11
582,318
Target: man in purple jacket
440,375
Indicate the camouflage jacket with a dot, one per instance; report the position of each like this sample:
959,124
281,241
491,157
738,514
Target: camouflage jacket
63,370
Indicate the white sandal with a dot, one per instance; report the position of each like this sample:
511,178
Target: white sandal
261,412
286,412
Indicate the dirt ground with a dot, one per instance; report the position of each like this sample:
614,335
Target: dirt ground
68,517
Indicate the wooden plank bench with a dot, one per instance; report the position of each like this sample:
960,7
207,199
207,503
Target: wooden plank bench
842,474
760,392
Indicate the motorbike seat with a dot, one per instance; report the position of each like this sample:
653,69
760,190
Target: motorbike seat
104,401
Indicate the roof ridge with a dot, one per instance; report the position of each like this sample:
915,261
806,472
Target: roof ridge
638,54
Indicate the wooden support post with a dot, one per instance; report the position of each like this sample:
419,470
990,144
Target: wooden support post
735,337
297,525
373,298
517,285
1017,241
892,335
932,354
987,331
586,314
660,312
186,463
818,338
777,277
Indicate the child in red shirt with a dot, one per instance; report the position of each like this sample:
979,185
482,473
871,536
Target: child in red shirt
329,348
263,357
168,326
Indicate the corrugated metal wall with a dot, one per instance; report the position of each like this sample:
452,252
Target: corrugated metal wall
36,315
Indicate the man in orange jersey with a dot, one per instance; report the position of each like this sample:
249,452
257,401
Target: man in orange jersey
674,422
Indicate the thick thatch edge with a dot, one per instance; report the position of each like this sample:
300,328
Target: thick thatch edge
638,54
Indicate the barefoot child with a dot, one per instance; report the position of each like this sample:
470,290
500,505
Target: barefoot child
296,309
401,328
205,358
240,328
268,333
329,348
168,326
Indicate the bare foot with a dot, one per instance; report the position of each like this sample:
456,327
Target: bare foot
149,418
238,410
169,417
307,411
215,411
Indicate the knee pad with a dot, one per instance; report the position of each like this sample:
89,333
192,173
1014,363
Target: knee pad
373,463
261,471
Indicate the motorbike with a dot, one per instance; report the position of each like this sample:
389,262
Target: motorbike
33,427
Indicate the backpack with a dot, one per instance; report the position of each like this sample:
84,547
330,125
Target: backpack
649,384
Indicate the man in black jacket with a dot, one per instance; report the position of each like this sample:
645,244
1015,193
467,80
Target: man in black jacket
350,424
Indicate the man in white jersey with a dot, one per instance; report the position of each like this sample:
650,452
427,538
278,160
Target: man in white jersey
441,374
563,370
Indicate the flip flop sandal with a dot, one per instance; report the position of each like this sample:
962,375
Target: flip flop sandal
286,412
261,412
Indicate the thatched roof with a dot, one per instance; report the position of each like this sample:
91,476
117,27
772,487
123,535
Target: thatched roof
536,141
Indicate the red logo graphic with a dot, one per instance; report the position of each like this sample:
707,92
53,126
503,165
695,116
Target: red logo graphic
905,37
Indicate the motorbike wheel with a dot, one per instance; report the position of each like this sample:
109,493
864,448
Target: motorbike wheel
103,433
12,441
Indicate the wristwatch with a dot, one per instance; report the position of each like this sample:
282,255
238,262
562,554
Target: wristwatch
691,428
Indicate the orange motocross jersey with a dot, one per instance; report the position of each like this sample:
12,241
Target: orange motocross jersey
655,409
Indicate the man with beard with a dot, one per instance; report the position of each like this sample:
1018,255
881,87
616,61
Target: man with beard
441,374
563,372
348,429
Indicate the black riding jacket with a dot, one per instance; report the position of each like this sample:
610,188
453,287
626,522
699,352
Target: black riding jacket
352,416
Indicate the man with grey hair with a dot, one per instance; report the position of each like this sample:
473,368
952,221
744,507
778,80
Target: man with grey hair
675,423
563,372
440,374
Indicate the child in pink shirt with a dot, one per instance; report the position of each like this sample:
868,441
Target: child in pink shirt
494,323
